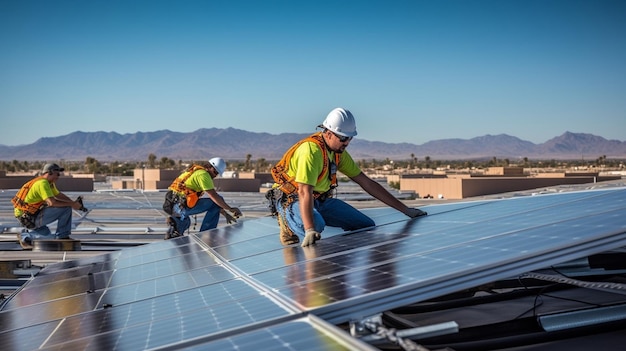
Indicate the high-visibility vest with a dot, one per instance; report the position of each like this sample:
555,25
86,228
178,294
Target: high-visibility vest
178,185
288,184
19,199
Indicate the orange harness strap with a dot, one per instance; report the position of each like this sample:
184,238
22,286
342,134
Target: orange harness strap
178,185
18,199
288,184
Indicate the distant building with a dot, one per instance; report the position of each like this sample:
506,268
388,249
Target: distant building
160,179
67,182
494,180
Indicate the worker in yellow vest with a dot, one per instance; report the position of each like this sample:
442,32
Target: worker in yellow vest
185,198
302,197
39,203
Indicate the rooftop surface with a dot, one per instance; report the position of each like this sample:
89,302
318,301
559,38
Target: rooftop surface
237,287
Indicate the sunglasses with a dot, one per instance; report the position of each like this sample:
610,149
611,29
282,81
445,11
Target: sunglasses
342,138
213,171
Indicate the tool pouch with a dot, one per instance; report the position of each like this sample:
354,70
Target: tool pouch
27,220
271,196
274,197
171,199
191,199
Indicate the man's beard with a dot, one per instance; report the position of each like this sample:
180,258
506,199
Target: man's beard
340,150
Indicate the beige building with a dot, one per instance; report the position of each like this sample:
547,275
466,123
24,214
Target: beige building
143,179
159,179
67,182
494,180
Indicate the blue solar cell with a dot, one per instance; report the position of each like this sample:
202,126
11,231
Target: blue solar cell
30,337
294,335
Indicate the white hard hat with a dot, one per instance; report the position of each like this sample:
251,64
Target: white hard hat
219,164
340,121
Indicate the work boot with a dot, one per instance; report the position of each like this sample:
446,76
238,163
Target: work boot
287,237
26,244
172,230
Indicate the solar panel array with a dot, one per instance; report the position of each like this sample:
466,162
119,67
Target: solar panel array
237,287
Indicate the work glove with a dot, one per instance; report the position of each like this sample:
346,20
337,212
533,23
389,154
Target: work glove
229,219
414,212
236,212
310,236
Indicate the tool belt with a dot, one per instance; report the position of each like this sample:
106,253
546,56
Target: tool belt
172,198
273,196
28,220
277,196
323,196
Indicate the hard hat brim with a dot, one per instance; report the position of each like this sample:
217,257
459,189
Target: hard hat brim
338,133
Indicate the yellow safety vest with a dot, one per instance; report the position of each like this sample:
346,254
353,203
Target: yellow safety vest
288,184
18,199
178,185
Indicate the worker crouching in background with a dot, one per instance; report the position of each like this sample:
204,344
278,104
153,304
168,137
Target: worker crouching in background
39,203
185,198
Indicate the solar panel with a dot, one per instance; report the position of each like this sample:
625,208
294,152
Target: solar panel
238,287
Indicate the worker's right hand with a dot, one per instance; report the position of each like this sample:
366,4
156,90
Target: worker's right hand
414,212
82,206
78,205
310,237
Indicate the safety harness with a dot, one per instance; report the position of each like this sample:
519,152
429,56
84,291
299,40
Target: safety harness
190,196
19,199
29,211
288,184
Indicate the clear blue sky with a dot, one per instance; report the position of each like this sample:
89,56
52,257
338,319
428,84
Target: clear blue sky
410,71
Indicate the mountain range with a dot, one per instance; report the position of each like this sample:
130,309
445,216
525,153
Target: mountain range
235,144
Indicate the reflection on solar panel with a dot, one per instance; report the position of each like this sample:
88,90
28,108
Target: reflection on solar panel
237,287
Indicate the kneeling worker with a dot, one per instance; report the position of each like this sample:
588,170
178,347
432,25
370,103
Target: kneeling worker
39,203
184,198
305,177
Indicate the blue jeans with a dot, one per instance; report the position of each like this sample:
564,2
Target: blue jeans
211,218
48,215
332,212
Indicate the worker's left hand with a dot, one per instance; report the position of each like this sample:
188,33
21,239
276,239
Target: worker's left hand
414,212
310,237
236,212
229,219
